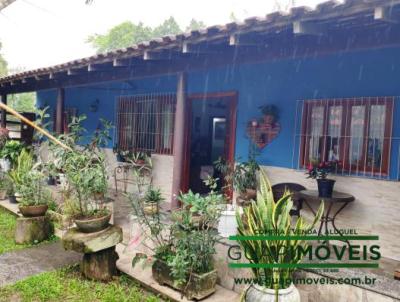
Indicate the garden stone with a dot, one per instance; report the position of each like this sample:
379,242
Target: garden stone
99,259
92,242
32,230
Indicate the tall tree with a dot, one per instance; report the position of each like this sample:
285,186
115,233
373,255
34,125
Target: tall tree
284,5
122,35
195,25
128,33
3,65
168,27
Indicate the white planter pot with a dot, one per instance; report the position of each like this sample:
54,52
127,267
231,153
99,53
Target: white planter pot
257,293
5,164
227,225
63,180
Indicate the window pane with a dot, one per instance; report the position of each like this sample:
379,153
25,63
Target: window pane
356,134
334,132
376,136
316,132
146,123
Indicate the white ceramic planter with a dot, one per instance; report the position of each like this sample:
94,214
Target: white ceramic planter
63,180
227,225
257,293
5,165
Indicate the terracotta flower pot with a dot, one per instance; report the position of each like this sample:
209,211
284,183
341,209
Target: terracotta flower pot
249,194
33,211
92,225
199,287
98,196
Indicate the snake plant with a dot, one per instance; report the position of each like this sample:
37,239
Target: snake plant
271,218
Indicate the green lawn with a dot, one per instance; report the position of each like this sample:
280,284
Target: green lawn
7,230
68,285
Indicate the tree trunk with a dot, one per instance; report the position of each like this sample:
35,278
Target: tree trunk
100,265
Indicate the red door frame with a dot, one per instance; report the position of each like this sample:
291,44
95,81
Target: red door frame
232,97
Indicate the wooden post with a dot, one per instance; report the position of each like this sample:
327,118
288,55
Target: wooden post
4,112
179,139
60,111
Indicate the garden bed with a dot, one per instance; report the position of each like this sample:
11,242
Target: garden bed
68,285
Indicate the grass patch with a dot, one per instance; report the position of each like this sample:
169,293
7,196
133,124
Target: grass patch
67,284
7,233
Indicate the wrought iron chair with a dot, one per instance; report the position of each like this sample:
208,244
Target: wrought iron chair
279,189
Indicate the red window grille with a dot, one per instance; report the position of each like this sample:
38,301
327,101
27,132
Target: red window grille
146,123
354,132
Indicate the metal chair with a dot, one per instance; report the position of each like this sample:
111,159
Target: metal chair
278,190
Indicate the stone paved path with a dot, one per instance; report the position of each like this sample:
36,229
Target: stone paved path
20,264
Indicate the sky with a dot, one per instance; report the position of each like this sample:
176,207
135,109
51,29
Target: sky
41,33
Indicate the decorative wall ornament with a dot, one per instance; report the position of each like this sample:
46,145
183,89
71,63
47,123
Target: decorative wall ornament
264,130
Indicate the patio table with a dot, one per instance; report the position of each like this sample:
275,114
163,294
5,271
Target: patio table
312,196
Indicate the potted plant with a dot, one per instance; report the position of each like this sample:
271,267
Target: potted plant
270,114
9,153
151,201
24,164
121,155
4,185
35,197
200,208
243,176
85,171
269,216
4,163
183,253
138,158
86,174
320,172
11,192
4,136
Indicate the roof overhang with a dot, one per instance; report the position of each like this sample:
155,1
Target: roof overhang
331,27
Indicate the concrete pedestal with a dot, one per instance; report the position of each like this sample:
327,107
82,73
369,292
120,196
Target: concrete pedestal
99,259
32,229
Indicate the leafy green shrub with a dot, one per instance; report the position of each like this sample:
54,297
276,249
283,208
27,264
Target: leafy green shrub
269,217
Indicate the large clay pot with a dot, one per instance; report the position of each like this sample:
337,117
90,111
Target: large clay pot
33,211
257,293
91,225
325,187
199,286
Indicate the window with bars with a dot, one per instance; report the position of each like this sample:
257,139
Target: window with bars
146,123
356,133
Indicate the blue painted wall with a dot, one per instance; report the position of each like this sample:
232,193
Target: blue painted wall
362,73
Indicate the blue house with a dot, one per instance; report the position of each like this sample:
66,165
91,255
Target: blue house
333,75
